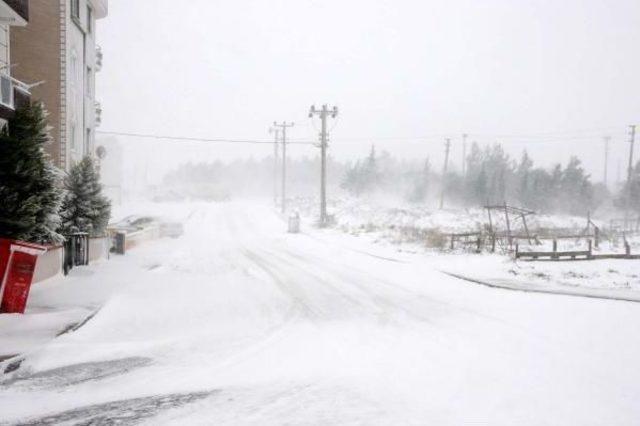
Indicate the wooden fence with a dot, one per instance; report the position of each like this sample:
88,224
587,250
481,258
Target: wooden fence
588,254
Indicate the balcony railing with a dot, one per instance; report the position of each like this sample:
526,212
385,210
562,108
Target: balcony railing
98,116
98,58
8,88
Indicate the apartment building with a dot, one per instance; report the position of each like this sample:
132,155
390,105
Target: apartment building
13,92
58,55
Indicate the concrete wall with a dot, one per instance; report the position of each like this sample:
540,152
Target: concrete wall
49,264
99,248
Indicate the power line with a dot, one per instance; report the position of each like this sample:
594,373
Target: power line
632,137
323,113
194,139
539,138
283,132
276,132
447,147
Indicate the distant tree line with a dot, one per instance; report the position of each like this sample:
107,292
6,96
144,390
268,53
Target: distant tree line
492,177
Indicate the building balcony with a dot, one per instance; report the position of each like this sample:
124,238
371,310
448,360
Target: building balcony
14,12
99,57
13,94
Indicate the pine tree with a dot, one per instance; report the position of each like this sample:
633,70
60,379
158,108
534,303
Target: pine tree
524,184
420,184
29,183
84,209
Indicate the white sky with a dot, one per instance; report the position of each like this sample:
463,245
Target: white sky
550,76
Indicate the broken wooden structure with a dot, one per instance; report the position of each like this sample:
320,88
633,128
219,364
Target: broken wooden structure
512,215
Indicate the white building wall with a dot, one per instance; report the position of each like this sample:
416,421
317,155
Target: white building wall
81,69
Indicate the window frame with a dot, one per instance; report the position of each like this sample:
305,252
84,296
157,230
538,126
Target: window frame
75,10
89,19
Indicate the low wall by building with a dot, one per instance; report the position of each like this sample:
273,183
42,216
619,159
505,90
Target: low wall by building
99,248
49,264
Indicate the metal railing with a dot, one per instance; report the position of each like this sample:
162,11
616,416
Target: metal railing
99,57
8,86
98,113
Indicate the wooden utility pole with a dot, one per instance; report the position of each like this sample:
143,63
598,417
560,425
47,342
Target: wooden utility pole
323,113
283,128
629,175
447,147
606,160
464,155
276,133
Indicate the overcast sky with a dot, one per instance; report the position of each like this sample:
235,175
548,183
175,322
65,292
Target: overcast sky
553,77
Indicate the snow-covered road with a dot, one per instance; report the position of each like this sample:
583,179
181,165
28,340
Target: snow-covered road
238,322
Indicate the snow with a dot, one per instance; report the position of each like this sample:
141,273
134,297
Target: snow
239,322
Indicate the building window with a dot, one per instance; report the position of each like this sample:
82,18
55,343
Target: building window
89,85
74,69
75,9
72,134
87,143
4,48
89,20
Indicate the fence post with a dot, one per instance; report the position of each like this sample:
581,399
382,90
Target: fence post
478,244
493,242
627,248
517,246
589,249
596,232
555,249
452,241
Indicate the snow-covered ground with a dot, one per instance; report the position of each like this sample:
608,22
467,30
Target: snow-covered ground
238,322
384,222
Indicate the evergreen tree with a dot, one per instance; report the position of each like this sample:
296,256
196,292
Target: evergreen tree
29,183
631,191
576,189
363,176
524,185
84,209
420,184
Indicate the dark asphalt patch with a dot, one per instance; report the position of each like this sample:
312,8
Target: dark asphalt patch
124,412
76,373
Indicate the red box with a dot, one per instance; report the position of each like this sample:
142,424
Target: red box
17,264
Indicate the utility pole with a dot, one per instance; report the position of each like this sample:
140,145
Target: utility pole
323,113
606,160
632,135
447,146
464,155
276,133
283,128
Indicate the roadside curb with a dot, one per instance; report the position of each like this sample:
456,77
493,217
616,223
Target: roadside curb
588,293
14,361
